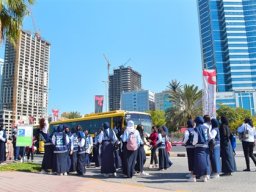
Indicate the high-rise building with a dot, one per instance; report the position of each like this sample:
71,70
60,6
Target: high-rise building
1,76
228,43
142,100
25,79
123,79
162,100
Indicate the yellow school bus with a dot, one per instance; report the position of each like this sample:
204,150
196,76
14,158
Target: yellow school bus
118,118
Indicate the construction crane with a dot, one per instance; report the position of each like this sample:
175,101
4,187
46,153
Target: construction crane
128,60
37,32
108,64
107,82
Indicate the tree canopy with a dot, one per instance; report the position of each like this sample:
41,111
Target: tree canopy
71,115
12,13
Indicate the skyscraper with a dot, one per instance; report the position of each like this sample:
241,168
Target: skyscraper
228,43
123,79
25,79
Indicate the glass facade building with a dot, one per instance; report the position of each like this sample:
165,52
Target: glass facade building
142,100
228,43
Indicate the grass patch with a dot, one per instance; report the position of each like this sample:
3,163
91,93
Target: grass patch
24,167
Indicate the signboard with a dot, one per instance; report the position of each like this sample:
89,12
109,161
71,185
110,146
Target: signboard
99,103
24,135
209,93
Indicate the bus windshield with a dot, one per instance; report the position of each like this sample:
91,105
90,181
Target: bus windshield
142,119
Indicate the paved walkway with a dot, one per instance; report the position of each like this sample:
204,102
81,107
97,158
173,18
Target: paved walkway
35,182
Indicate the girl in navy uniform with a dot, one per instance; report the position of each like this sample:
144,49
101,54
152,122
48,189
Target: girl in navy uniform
3,140
163,156
60,141
69,134
131,140
81,153
226,152
47,163
141,157
201,158
215,150
96,152
248,141
107,139
88,147
190,148
73,152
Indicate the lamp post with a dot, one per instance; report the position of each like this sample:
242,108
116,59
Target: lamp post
106,95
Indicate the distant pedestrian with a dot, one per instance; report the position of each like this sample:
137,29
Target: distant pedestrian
227,158
215,149
73,153
141,156
88,147
81,170
164,161
201,156
107,139
190,148
30,150
96,149
3,140
10,152
47,162
60,141
248,137
152,139
14,140
132,140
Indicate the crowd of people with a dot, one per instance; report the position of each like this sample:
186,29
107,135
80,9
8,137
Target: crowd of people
113,149
210,147
10,151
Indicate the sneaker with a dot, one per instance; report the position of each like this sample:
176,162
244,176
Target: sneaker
105,175
43,171
188,175
143,173
65,173
114,174
215,176
192,179
150,166
246,170
205,179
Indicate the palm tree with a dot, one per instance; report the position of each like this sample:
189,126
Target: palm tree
186,104
174,85
12,13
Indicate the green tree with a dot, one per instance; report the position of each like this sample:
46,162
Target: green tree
235,116
158,117
12,13
71,115
186,103
174,86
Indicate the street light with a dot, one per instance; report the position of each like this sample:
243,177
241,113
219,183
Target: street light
106,94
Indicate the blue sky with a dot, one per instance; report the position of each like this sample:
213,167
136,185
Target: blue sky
160,36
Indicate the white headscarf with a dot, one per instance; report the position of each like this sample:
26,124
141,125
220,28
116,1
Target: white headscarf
130,126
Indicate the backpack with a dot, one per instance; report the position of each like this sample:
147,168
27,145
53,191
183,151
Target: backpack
168,146
245,134
132,142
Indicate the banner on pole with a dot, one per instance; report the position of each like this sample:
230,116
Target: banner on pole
209,92
99,103
24,135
